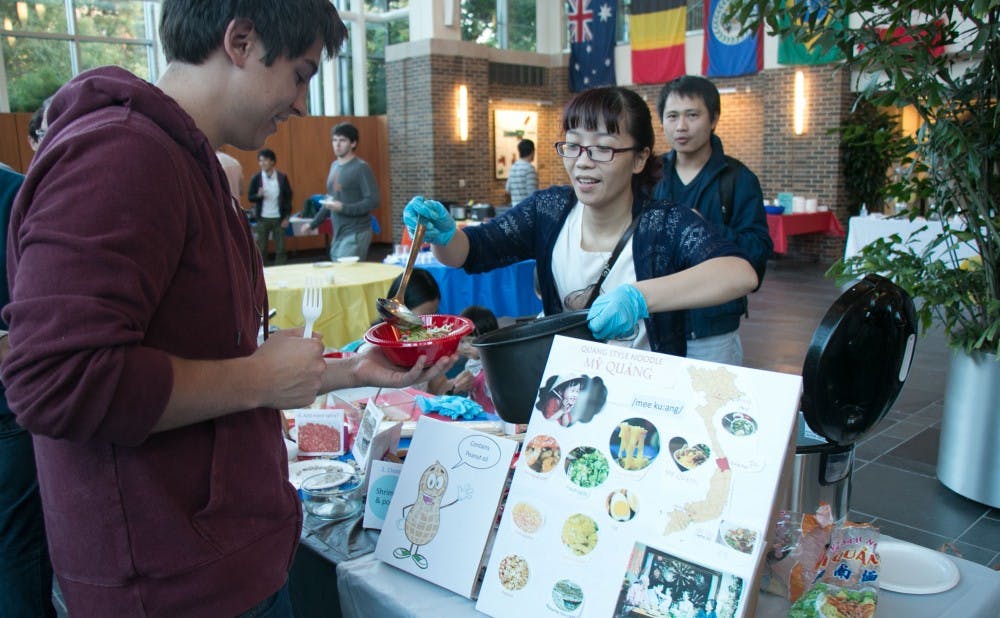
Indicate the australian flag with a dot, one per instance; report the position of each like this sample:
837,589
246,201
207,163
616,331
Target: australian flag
592,43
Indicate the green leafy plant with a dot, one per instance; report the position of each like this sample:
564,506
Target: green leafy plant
943,58
870,143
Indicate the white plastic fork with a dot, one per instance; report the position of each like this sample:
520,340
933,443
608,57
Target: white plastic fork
312,304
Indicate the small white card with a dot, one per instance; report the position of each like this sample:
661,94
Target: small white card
319,431
368,448
371,418
381,485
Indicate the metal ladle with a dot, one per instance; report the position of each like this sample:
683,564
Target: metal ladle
394,310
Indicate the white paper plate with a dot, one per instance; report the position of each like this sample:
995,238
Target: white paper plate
911,569
301,470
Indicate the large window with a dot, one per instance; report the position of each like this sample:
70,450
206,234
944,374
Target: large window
381,34
44,43
505,24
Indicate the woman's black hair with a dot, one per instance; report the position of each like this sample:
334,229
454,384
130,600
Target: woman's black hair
422,288
482,318
621,111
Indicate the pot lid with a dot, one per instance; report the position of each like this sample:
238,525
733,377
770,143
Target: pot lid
858,359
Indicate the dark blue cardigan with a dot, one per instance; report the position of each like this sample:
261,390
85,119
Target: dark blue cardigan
668,239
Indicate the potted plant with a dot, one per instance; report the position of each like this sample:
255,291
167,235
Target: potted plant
942,58
870,143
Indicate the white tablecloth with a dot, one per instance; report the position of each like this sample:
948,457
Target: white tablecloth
863,231
369,587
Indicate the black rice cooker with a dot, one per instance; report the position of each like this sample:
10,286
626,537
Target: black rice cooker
482,212
855,367
458,211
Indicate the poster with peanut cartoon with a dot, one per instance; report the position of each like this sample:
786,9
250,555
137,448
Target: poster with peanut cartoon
646,485
445,503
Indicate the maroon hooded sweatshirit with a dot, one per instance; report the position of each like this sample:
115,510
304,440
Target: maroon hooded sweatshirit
125,247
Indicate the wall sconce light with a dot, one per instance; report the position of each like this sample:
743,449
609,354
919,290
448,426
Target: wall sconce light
463,113
799,110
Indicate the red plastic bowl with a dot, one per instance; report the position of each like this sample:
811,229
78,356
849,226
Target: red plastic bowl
406,353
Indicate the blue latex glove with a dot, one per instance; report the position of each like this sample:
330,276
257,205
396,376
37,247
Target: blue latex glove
454,406
617,313
440,225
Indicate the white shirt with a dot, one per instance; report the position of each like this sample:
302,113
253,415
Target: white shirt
573,268
269,208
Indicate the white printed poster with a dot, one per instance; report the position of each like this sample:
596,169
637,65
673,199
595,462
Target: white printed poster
645,487
444,506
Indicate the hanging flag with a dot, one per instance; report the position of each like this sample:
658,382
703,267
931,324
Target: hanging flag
728,51
916,36
791,51
656,29
592,43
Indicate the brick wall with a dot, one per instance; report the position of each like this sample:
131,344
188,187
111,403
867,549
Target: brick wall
427,158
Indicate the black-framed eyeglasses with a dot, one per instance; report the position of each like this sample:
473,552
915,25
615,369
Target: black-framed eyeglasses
600,154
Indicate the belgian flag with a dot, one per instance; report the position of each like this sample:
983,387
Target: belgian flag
656,29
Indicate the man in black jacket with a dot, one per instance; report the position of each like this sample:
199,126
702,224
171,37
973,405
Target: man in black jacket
697,172
271,195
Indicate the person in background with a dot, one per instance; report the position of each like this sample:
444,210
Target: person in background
271,194
352,197
38,125
725,192
671,263
234,172
25,569
466,377
523,179
422,297
153,410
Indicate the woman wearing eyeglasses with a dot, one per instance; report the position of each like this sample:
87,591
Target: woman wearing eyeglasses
602,242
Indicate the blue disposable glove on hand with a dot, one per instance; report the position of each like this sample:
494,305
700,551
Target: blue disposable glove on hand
440,225
616,313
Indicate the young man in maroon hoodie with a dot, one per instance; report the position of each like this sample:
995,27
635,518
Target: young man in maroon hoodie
137,295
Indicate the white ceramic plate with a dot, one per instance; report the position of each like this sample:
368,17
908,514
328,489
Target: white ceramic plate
912,569
324,264
348,259
300,470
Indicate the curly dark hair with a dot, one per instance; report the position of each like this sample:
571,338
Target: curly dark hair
190,30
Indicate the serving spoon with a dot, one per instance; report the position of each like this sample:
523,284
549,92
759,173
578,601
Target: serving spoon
393,310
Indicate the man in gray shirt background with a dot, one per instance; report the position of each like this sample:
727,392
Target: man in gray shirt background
523,180
352,195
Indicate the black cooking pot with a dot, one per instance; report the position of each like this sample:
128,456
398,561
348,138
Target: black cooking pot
514,359
482,212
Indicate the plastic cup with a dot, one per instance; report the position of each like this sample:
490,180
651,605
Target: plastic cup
331,495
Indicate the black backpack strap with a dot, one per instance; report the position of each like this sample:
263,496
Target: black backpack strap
727,187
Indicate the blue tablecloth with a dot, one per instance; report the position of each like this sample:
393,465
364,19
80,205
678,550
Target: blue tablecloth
508,291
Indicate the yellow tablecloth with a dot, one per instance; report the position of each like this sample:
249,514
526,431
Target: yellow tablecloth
348,302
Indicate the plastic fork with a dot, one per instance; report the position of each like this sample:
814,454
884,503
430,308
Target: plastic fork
312,304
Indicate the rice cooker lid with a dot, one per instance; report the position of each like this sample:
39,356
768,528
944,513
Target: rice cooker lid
858,359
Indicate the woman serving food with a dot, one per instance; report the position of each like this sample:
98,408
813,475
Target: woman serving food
602,243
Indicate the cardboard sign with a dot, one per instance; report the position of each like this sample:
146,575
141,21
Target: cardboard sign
444,508
646,486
